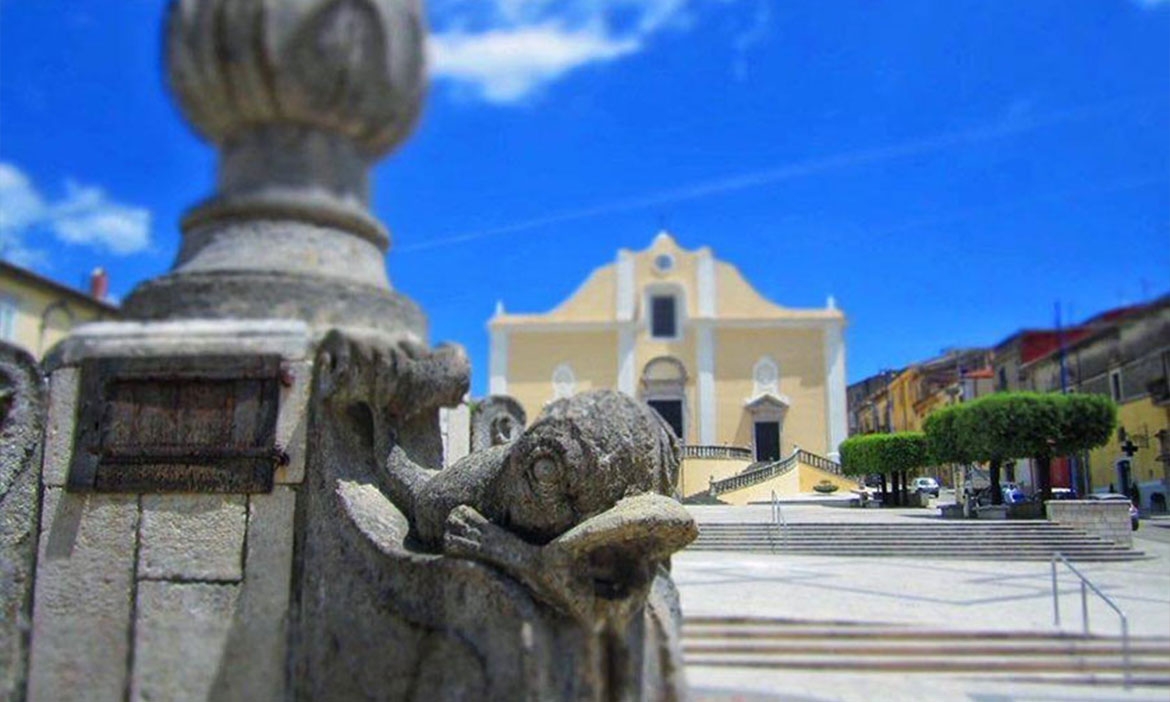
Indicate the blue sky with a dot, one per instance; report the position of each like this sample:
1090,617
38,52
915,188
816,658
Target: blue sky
948,170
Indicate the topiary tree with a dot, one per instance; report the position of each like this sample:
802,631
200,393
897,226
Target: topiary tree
1006,426
889,454
943,438
1086,422
992,430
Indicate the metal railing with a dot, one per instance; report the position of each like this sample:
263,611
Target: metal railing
1085,587
731,453
779,524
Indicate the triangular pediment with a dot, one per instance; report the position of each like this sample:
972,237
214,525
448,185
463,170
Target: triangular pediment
768,402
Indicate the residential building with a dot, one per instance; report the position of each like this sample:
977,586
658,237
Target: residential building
739,378
955,376
1124,354
869,405
36,312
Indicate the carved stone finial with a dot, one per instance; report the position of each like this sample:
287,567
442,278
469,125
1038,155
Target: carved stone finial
301,98
350,67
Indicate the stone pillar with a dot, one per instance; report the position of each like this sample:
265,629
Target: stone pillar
300,99
175,446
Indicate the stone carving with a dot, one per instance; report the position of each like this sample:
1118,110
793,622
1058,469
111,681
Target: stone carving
349,66
496,420
22,408
531,570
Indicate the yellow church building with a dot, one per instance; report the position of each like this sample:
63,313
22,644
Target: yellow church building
745,383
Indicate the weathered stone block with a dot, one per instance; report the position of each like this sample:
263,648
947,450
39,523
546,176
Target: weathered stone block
22,423
193,537
59,426
261,631
181,640
1109,520
83,596
292,422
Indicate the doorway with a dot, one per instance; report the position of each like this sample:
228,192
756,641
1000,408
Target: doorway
767,436
671,412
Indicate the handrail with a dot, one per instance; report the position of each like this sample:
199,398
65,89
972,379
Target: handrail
771,470
752,477
1085,587
777,520
735,453
816,461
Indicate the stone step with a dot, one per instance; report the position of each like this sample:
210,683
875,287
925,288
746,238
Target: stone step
879,647
977,541
1154,673
911,544
860,647
912,533
707,625
804,538
1122,556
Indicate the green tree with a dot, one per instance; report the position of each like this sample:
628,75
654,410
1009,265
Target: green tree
894,455
1006,426
1086,422
943,438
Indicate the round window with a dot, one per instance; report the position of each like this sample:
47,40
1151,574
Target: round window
664,262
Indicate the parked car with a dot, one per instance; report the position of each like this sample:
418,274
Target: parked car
874,480
1114,497
1064,494
928,486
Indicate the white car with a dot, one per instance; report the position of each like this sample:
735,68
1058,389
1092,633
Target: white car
928,486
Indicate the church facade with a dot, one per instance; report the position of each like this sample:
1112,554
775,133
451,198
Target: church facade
739,378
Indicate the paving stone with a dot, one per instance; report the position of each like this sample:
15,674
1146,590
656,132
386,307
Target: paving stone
81,615
193,537
181,640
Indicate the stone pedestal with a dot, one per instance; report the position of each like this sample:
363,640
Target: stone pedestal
153,590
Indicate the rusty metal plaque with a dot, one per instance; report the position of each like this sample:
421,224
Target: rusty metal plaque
180,424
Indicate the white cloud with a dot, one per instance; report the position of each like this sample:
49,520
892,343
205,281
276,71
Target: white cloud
754,34
508,65
85,216
507,50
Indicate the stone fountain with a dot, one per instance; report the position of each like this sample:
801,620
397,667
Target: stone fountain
242,492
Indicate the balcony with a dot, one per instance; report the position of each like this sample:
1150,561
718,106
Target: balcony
726,453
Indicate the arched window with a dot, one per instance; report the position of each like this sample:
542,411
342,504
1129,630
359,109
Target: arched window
765,377
564,381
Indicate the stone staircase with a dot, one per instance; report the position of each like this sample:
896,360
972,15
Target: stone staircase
1015,540
1053,657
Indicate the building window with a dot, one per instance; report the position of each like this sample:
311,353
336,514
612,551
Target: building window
8,309
564,381
1002,378
1115,385
663,317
